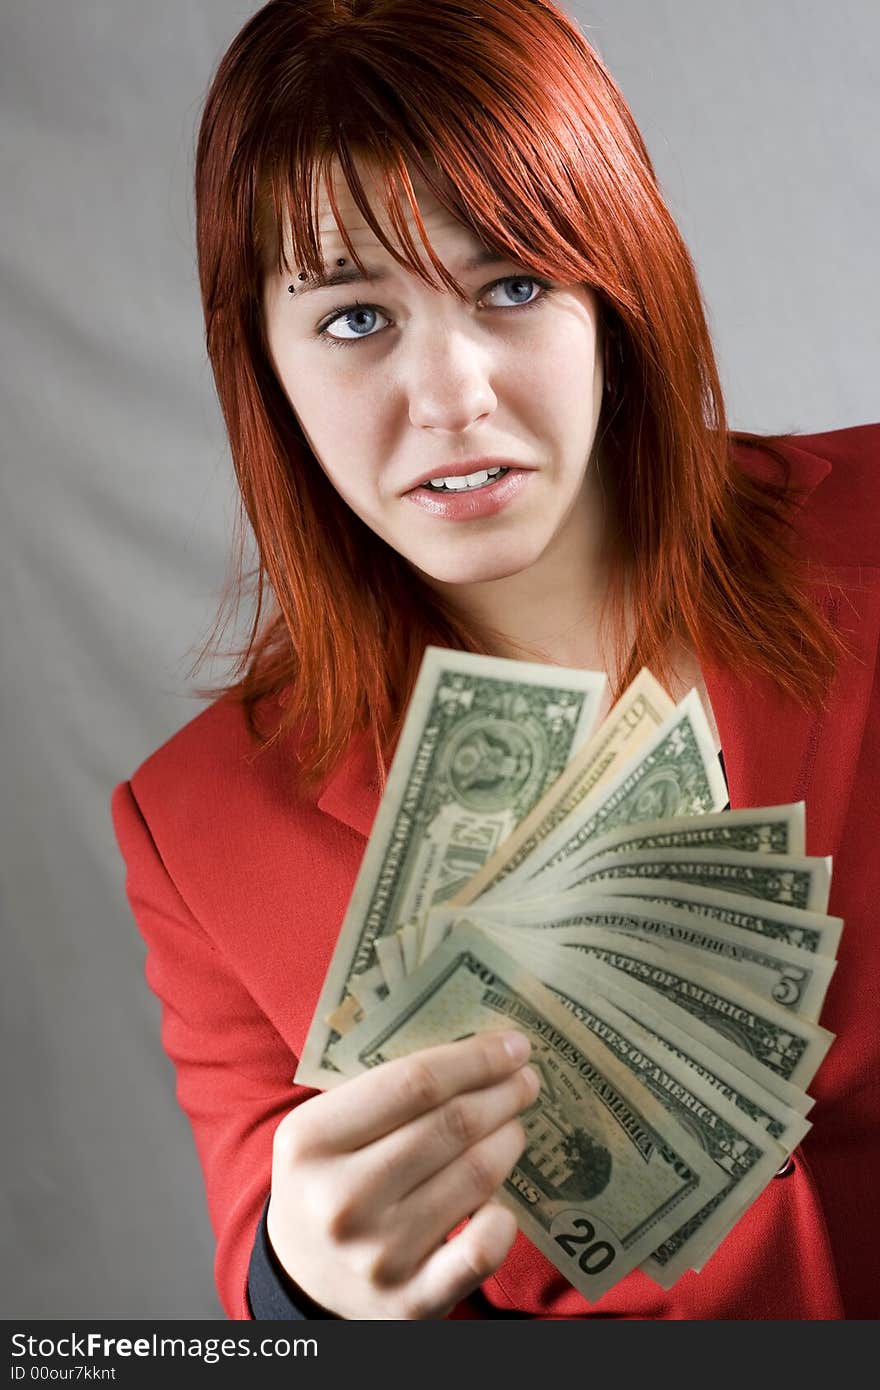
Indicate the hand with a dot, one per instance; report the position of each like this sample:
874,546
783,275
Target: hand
368,1179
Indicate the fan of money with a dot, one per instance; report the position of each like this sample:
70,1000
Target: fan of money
667,957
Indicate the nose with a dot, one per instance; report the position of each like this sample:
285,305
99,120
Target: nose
448,382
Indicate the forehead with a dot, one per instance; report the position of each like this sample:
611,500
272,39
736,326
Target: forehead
443,230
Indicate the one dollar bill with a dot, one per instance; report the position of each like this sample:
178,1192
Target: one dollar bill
483,739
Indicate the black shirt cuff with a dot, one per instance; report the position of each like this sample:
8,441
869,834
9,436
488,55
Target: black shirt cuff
271,1292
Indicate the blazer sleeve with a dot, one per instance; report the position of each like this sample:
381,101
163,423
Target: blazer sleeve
232,1067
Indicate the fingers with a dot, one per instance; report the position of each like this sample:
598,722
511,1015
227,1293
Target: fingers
381,1100
461,1264
403,1160
424,1218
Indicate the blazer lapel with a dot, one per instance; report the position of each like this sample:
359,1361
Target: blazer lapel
351,794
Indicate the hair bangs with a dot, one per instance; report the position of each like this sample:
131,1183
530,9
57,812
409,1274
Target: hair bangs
287,237
490,149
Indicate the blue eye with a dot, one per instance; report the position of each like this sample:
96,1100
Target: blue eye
356,311
359,316
517,280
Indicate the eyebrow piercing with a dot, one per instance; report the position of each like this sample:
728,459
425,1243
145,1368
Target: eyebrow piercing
302,274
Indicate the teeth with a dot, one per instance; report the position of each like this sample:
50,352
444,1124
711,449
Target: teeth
470,480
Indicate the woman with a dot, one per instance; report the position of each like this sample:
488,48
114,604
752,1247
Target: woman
471,400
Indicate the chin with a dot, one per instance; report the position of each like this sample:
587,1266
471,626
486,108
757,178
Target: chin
476,569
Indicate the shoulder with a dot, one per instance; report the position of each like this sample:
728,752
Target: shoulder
839,473
212,784
216,744
217,834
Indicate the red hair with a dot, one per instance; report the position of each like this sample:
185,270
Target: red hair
513,121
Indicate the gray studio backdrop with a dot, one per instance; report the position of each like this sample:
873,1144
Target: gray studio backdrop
117,510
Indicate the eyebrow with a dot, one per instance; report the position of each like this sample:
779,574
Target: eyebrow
352,276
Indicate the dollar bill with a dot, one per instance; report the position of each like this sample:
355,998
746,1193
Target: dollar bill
791,926
744,1151
389,953
409,936
369,987
762,830
777,830
799,881
608,1173
791,1047
674,773
786,975
483,739
778,1105
345,1017
720,884
771,830
639,712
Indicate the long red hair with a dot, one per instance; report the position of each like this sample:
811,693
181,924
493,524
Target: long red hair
513,121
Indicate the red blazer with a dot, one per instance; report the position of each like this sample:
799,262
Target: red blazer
238,884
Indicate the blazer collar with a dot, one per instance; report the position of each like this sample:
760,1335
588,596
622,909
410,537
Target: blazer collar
351,793
774,751
807,470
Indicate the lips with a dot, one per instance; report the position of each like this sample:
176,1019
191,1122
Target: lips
472,504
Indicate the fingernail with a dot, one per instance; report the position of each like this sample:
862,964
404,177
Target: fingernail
533,1078
517,1046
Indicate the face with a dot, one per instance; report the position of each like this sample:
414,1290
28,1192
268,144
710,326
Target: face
394,381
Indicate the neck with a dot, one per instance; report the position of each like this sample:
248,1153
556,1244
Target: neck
551,610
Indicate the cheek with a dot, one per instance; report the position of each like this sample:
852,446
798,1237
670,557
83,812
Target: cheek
576,364
566,396
339,437
562,364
